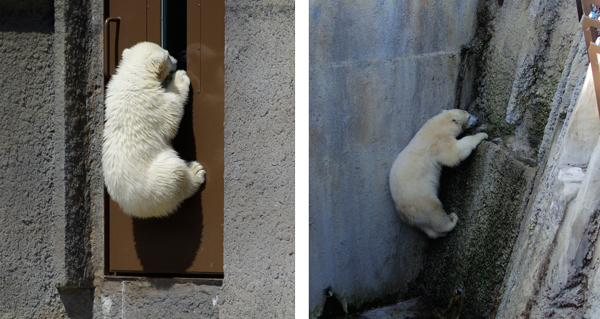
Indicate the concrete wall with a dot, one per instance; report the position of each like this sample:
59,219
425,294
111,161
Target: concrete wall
51,189
27,162
378,71
259,160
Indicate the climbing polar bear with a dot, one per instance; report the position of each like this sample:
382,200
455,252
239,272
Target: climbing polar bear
415,174
144,105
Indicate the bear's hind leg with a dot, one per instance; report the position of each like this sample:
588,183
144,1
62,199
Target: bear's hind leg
430,232
170,181
438,223
442,223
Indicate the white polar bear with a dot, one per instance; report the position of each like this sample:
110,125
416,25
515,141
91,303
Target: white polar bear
415,174
142,171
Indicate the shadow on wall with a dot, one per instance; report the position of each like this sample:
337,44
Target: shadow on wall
162,243
78,302
172,242
18,17
489,191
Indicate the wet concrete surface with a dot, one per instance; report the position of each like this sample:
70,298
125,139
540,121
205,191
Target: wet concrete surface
409,309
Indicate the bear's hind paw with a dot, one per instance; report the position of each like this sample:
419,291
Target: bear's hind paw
197,171
453,218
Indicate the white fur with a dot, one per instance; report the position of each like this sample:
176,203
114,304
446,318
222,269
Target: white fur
142,172
415,174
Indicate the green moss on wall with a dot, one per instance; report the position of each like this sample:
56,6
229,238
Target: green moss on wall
488,192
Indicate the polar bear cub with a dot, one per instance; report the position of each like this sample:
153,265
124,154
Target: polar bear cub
144,105
415,174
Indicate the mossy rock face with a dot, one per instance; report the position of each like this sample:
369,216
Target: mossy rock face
488,192
512,79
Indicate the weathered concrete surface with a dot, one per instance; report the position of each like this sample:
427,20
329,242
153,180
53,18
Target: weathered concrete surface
488,191
51,189
155,299
78,116
259,160
373,85
553,269
378,71
517,60
27,163
522,62
408,309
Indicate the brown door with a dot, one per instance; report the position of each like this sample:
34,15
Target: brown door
189,242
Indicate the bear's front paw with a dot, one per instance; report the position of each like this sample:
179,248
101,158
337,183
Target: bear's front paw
197,171
483,136
181,78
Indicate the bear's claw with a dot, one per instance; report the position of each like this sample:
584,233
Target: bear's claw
181,78
198,171
453,218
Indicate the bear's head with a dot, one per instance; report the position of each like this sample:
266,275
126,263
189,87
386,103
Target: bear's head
461,119
150,57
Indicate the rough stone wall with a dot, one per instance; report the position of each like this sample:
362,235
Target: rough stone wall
553,269
259,160
516,62
51,82
27,164
51,190
519,65
378,71
488,191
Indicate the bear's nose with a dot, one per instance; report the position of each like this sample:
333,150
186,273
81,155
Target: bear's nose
472,121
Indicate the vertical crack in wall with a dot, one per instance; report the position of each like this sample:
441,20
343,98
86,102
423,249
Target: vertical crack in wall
472,62
574,293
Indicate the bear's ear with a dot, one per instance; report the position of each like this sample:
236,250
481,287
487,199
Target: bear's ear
455,120
126,52
157,57
156,62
